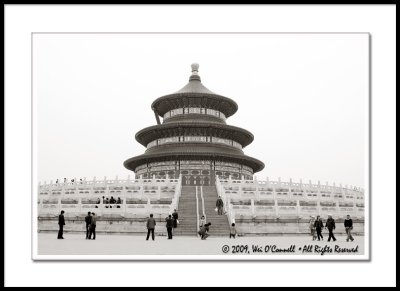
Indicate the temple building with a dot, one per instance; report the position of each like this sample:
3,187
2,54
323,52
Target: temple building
193,139
193,158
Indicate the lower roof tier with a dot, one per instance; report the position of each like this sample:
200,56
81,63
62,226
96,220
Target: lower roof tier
133,163
193,127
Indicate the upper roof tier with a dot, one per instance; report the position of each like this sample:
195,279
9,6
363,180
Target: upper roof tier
194,94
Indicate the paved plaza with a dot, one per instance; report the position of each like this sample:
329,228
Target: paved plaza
76,244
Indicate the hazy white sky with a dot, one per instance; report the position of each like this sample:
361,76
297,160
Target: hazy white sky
303,96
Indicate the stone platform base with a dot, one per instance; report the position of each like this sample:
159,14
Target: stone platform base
251,227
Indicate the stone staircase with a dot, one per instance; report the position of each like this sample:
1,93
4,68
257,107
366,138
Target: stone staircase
187,214
219,223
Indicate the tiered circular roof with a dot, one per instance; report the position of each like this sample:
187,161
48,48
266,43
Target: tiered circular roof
194,94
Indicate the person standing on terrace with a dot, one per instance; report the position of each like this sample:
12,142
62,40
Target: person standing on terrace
348,224
88,220
61,223
151,224
175,217
93,226
169,225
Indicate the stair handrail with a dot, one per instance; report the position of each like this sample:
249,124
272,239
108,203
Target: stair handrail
177,195
202,201
230,213
197,212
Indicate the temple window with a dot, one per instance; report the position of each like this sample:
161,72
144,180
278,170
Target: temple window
194,110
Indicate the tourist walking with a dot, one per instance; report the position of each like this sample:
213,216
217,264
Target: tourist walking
330,225
318,224
88,220
175,218
151,224
311,226
348,224
220,205
169,225
93,226
202,221
232,231
61,223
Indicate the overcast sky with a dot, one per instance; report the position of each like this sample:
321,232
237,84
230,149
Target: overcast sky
303,96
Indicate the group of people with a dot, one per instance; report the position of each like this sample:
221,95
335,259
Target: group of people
171,223
90,220
66,181
112,200
204,228
316,225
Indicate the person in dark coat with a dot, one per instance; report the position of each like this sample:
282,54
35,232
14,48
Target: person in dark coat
61,223
220,205
330,225
175,217
169,225
318,224
151,224
88,220
93,226
348,224
233,231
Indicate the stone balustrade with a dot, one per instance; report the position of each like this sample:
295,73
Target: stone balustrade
248,199
138,197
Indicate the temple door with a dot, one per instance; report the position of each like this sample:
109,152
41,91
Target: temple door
197,180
